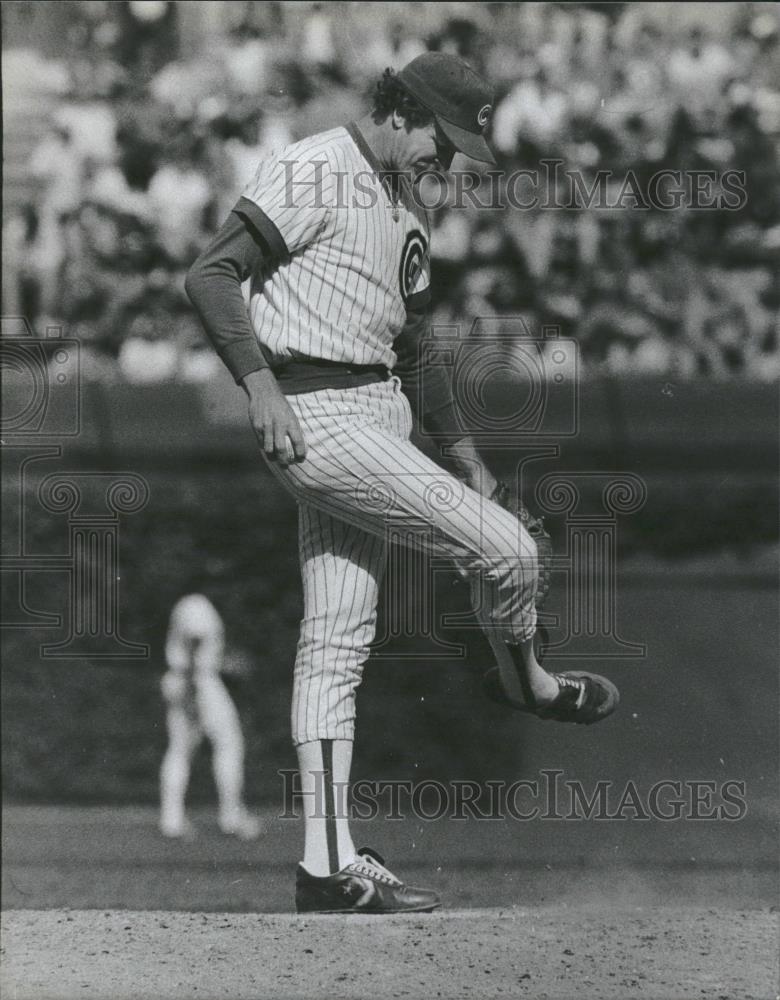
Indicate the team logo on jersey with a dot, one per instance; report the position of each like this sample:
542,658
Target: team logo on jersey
412,259
484,115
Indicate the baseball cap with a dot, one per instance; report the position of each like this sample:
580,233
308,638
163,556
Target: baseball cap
460,99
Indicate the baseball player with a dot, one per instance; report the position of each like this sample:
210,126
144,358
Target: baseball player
198,705
337,252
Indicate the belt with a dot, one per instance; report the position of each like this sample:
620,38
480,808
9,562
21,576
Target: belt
301,375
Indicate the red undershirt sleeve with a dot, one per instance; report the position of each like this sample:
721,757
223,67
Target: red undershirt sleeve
428,387
244,243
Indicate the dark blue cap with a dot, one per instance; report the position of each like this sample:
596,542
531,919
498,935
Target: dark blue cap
460,99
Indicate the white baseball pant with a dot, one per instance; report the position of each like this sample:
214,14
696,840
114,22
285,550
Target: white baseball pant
362,480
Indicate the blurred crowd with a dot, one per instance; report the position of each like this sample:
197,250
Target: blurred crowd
151,141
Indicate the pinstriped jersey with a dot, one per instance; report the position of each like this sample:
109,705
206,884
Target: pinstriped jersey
353,253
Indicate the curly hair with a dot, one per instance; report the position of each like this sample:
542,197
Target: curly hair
390,95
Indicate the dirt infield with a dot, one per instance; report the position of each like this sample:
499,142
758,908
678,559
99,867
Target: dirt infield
554,953
100,906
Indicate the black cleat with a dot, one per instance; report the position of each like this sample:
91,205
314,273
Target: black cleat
364,886
582,698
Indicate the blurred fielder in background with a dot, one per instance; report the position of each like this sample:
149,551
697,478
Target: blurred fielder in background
198,705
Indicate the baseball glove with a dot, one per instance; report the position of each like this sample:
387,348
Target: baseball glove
536,529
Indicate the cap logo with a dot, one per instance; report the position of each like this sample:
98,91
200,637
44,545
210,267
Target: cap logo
484,115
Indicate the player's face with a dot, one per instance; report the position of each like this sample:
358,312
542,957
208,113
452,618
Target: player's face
426,149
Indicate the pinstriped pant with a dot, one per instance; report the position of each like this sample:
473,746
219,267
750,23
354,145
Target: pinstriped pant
362,480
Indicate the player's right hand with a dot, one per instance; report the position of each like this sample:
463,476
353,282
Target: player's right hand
273,421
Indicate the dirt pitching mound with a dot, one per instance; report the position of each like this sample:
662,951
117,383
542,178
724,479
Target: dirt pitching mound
555,953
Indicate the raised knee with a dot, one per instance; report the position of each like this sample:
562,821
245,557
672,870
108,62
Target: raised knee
516,573
513,567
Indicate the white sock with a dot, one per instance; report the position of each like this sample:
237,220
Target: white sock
325,766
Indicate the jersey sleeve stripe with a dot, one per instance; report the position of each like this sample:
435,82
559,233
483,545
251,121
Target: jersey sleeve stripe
252,214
